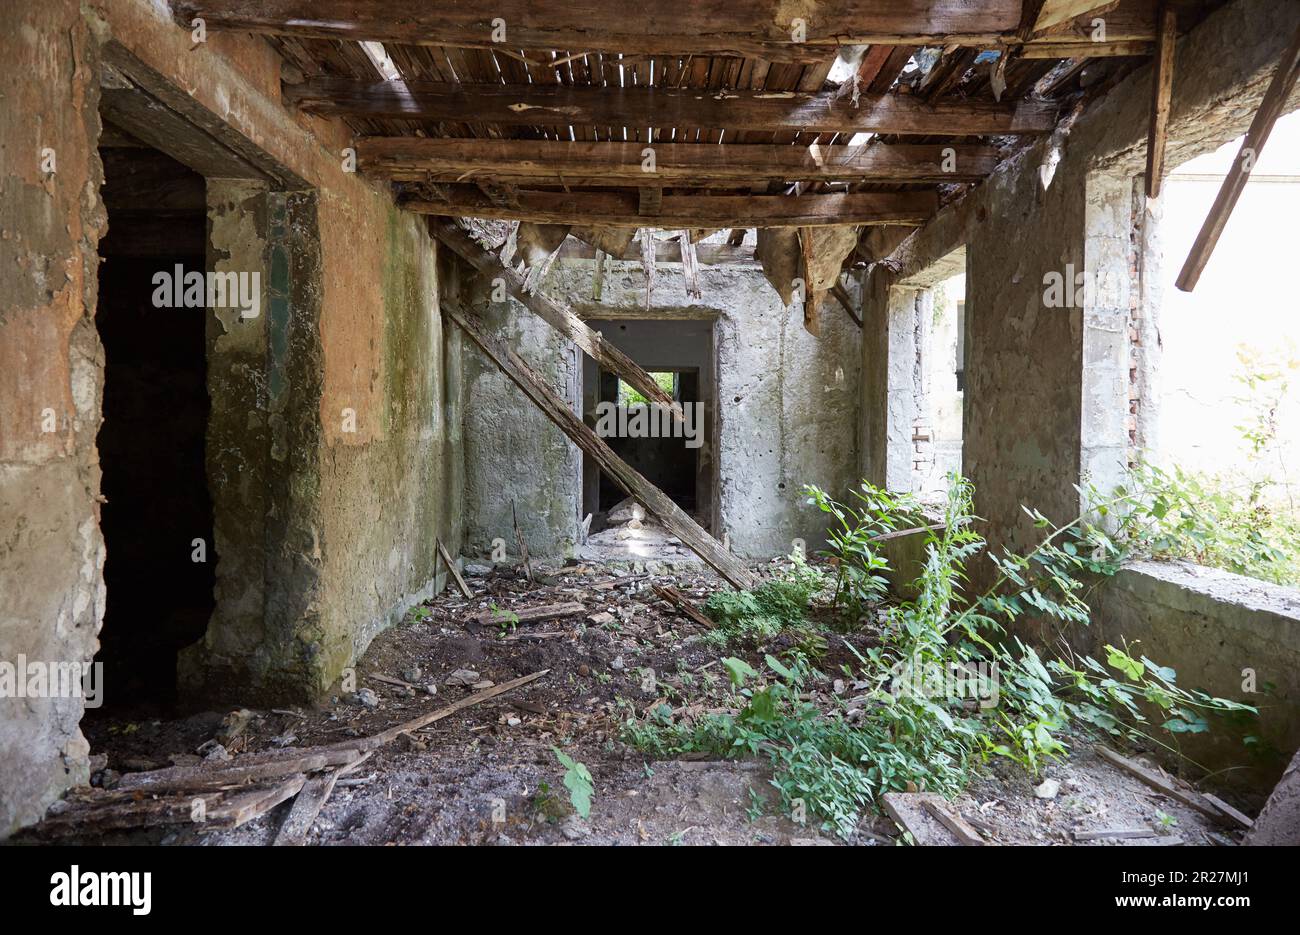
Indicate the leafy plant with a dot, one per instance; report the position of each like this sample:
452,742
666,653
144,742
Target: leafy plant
931,721
859,582
505,619
753,617
1213,521
577,779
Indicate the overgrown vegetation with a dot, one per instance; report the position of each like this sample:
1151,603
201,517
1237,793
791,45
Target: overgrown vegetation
1244,521
629,395
941,688
750,618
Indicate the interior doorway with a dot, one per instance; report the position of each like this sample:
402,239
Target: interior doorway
678,458
157,518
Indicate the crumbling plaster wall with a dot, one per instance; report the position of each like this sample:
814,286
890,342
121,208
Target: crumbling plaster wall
1045,407
517,464
51,364
787,411
350,508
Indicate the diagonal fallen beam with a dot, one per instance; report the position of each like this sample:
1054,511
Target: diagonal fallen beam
556,315
673,517
1270,108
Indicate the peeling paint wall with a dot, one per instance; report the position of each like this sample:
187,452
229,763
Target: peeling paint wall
51,382
325,521
787,409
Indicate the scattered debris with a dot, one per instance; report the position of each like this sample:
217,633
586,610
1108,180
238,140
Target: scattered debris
1047,789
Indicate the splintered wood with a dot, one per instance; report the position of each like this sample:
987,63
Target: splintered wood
225,795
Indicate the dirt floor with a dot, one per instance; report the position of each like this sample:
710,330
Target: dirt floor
488,774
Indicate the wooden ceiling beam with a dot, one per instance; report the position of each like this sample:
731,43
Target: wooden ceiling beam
559,105
621,209
555,162
772,29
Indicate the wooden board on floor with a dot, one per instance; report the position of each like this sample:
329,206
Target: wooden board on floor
537,614
910,811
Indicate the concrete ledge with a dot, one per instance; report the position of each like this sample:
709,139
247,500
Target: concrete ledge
1215,629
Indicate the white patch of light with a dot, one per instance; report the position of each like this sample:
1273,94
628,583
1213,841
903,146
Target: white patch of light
378,55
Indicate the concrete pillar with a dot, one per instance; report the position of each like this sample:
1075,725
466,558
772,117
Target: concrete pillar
893,342
1047,371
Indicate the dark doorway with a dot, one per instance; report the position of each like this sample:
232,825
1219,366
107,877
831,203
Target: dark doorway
157,518
679,354
667,462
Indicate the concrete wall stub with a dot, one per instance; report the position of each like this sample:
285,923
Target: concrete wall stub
1231,636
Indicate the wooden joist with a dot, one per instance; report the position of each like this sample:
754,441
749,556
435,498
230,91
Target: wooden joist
1162,96
641,106
656,503
505,616
566,162
622,209
771,29
1270,108
556,315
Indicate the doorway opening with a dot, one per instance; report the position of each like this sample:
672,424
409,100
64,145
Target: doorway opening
157,518
677,457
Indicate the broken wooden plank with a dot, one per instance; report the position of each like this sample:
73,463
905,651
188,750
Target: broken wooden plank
640,106
690,267
910,813
521,544
622,209
519,615
455,572
629,480
1120,834
1162,96
108,811
811,297
249,768
682,603
241,808
374,741
842,296
578,163
1236,815
957,825
1270,108
307,806
558,316
1168,787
